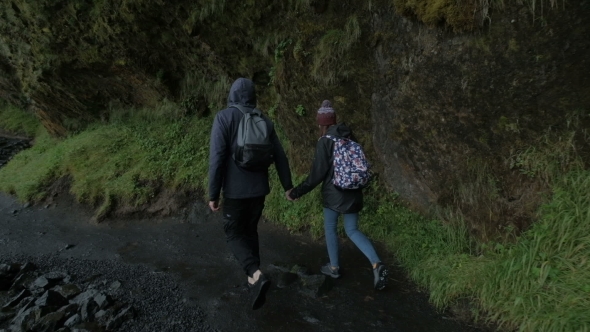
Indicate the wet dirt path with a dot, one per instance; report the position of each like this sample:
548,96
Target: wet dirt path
192,247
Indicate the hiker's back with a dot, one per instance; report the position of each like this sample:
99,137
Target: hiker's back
344,201
240,182
254,149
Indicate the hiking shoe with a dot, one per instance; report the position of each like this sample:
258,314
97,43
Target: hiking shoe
259,289
329,271
380,276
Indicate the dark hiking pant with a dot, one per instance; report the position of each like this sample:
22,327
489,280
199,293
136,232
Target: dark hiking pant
240,217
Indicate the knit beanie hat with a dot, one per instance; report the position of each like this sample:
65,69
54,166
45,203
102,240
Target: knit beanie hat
326,115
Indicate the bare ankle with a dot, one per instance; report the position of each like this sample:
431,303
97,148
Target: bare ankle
255,276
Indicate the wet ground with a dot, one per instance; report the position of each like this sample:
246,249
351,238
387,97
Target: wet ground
10,146
191,248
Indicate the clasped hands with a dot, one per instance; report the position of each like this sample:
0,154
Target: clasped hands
288,196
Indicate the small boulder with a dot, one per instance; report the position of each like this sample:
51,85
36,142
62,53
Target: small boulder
103,300
51,299
69,309
25,304
40,282
49,322
100,314
300,270
41,312
280,267
56,276
286,279
7,274
68,291
124,315
28,267
85,296
73,321
23,280
13,302
115,285
315,285
24,320
87,310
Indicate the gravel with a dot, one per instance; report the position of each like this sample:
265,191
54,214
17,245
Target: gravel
158,300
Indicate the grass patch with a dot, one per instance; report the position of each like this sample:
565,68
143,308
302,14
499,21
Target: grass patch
124,161
17,121
542,282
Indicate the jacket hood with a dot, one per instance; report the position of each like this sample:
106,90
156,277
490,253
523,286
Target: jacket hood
339,130
243,93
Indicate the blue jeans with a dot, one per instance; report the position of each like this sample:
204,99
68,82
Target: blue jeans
351,228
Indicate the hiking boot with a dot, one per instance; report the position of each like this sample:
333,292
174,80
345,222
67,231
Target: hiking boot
329,271
259,289
380,276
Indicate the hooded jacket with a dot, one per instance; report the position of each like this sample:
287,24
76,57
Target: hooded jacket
224,173
322,171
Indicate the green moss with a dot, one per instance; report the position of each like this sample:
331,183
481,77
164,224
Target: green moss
513,45
483,44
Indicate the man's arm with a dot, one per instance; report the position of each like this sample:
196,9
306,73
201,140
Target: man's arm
319,170
217,157
281,162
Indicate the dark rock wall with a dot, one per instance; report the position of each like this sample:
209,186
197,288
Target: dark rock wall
450,107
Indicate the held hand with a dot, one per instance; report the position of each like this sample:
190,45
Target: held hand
214,205
288,195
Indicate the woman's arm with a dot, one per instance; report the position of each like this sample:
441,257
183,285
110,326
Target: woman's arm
319,169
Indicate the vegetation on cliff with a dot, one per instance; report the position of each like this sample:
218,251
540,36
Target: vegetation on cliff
492,125
462,15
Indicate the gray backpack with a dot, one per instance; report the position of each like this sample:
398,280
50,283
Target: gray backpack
255,150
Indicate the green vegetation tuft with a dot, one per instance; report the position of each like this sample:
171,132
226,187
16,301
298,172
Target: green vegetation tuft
331,50
459,14
462,15
125,161
542,282
17,121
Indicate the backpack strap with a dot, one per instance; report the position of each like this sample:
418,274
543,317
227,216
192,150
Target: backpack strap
330,137
335,139
245,110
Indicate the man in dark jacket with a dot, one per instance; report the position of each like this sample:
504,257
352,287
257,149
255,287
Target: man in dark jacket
244,191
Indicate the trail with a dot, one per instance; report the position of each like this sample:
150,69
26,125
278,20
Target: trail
190,248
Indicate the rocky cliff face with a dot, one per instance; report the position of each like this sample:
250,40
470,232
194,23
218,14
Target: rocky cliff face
447,112
452,111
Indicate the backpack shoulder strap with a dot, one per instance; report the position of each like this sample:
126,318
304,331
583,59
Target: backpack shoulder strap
336,139
245,110
330,137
